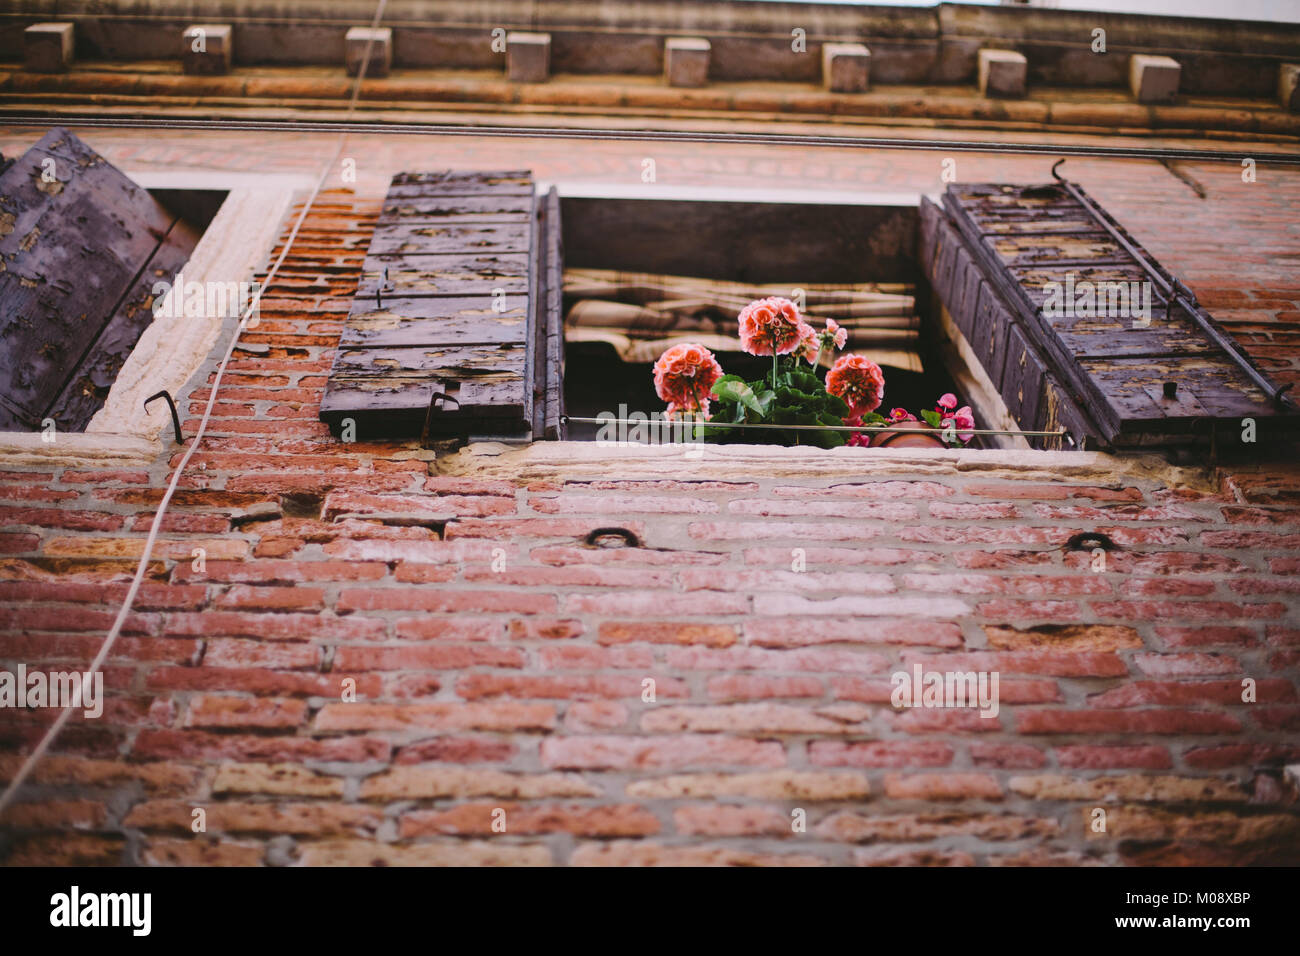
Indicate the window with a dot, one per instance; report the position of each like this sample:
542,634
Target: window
458,328
83,249
159,352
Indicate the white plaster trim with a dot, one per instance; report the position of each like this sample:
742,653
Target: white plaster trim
588,459
234,246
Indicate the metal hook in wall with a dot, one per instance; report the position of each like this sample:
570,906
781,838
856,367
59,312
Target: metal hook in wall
630,540
176,419
1090,541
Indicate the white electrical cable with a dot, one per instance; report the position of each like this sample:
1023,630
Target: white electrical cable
30,763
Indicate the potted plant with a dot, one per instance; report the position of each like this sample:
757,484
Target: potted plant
689,378
943,425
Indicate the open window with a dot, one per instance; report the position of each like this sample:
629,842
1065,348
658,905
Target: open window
83,250
488,309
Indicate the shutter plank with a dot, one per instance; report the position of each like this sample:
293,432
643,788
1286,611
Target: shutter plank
406,321
85,392
433,209
72,250
412,275
1026,237
434,330
480,237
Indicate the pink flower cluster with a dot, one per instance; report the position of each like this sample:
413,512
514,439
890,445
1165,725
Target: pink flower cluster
859,381
960,419
773,326
814,343
684,376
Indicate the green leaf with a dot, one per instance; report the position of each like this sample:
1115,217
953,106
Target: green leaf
932,417
733,388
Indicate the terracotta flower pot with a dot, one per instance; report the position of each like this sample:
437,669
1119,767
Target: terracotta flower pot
908,436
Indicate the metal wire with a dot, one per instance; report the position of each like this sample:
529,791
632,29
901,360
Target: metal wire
294,125
671,423
66,713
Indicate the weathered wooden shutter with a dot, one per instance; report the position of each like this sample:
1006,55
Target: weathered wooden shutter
1108,380
448,332
81,247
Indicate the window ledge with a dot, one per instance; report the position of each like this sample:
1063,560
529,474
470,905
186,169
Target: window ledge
562,460
234,246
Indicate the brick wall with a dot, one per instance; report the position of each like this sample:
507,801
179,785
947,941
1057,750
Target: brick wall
499,662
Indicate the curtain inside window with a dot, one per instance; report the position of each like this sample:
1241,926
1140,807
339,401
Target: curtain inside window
641,315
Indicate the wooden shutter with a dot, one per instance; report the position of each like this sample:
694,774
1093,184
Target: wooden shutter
453,342
1110,381
81,247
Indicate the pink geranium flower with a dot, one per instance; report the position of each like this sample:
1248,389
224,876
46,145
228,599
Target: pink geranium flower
947,400
810,347
838,336
683,377
857,439
963,421
772,326
859,381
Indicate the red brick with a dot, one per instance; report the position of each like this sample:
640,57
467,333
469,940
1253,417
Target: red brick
616,820
822,509
1048,663
1186,610
1092,757
801,632
594,716
1186,665
194,745
890,490
456,750
742,687
456,629
556,687
464,600
1006,756
713,579
942,786
426,657
443,715
1125,722
245,598
797,661
737,821
607,504
879,753
244,713
1279,636
558,578
664,632
1235,755
640,557
512,529
584,657
1176,637
959,511
273,627
532,628
704,751
55,518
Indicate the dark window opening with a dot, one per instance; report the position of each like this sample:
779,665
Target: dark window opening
641,275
